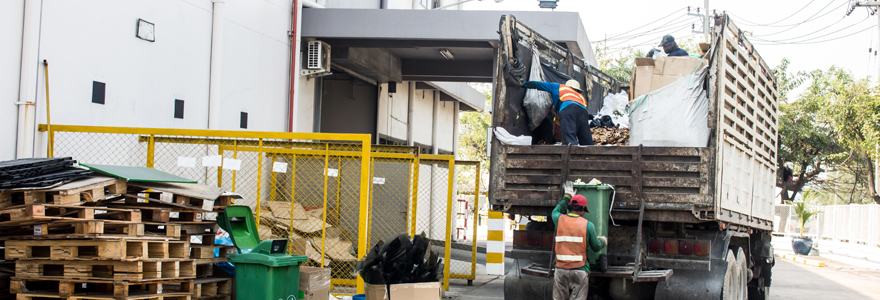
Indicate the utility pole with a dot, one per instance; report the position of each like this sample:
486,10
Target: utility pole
706,21
873,6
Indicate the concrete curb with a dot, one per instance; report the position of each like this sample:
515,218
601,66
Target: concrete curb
800,259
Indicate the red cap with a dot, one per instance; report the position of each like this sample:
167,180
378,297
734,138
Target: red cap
579,200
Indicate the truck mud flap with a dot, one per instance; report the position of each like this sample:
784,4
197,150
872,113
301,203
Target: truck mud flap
695,285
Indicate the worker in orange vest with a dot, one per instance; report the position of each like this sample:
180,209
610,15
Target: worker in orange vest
571,108
574,233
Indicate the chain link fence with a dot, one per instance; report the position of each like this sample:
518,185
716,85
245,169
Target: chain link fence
332,196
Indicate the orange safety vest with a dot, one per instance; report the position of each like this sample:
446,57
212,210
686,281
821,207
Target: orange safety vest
571,242
567,93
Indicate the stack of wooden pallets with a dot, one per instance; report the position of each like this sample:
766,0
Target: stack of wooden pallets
103,238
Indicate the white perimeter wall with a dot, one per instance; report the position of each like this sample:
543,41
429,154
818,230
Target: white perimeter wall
11,22
446,126
393,111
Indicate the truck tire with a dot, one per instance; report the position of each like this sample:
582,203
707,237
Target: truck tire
602,263
728,290
742,266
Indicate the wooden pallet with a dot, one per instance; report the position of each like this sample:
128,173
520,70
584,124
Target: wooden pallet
85,190
73,228
199,197
207,251
163,296
99,289
101,249
41,213
106,269
212,288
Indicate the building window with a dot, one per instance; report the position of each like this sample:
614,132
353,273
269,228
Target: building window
98,91
424,149
243,122
444,152
386,140
178,109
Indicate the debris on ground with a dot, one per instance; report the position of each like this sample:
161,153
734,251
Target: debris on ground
613,136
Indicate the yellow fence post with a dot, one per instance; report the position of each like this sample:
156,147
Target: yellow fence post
151,151
50,149
293,200
363,214
324,221
259,182
495,244
415,194
235,156
449,210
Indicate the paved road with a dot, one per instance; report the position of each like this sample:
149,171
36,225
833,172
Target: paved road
791,280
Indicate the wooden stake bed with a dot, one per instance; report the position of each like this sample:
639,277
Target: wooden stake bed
106,269
96,249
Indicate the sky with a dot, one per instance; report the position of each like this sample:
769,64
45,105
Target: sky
812,34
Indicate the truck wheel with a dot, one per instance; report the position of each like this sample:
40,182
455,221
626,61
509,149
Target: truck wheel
744,278
759,293
729,288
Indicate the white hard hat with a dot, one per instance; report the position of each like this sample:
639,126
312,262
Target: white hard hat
573,84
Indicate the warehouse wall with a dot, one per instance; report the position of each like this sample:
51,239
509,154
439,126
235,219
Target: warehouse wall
393,111
11,22
353,3
446,124
423,114
95,41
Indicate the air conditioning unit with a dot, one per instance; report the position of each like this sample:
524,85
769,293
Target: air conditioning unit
316,61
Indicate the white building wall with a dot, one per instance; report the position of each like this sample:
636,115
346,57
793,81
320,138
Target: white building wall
305,105
423,114
393,111
11,22
353,4
447,126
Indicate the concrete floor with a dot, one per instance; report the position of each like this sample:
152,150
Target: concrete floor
791,280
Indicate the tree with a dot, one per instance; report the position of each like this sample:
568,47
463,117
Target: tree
806,144
472,135
853,108
619,63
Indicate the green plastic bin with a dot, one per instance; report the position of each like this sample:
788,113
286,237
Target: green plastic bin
599,202
267,272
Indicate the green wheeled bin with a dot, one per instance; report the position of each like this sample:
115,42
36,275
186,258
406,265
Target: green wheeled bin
266,272
599,202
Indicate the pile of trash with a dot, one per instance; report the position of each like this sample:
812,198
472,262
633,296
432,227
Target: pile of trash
610,136
401,260
39,172
614,107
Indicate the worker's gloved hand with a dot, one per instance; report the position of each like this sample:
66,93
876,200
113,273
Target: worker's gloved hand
568,188
603,239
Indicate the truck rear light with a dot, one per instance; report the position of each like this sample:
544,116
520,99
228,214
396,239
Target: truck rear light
670,247
701,248
686,247
655,246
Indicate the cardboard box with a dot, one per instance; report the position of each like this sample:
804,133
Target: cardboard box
659,81
316,294
404,291
640,83
312,278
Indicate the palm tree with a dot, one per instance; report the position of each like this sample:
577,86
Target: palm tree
803,213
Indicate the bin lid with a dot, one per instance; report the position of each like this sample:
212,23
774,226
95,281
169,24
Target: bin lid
238,221
593,186
271,260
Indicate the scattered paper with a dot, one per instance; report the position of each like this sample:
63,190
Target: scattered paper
332,172
279,167
38,230
212,161
378,180
231,164
186,162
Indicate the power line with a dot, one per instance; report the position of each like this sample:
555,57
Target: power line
786,18
652,22
814,32
679,24
816,42
740,19
805,21
664,25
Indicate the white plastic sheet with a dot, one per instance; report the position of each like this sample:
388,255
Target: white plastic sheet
509,139
614,105
673,116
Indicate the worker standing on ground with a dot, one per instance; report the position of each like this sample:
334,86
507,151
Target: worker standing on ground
574,234
572,109
670,47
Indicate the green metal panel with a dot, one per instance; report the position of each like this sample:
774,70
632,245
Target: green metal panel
137,173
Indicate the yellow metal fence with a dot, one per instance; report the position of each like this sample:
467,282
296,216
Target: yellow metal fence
332,196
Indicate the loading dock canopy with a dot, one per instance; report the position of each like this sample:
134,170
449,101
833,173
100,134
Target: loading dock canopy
415,39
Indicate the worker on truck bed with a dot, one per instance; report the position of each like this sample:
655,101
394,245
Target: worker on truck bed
574,233
670,47
572,109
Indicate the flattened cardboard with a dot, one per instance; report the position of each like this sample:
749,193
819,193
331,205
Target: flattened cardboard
415,291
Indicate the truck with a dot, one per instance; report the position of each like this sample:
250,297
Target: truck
686,222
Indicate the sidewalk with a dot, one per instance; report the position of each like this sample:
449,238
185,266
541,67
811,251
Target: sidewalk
485,287
850,254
